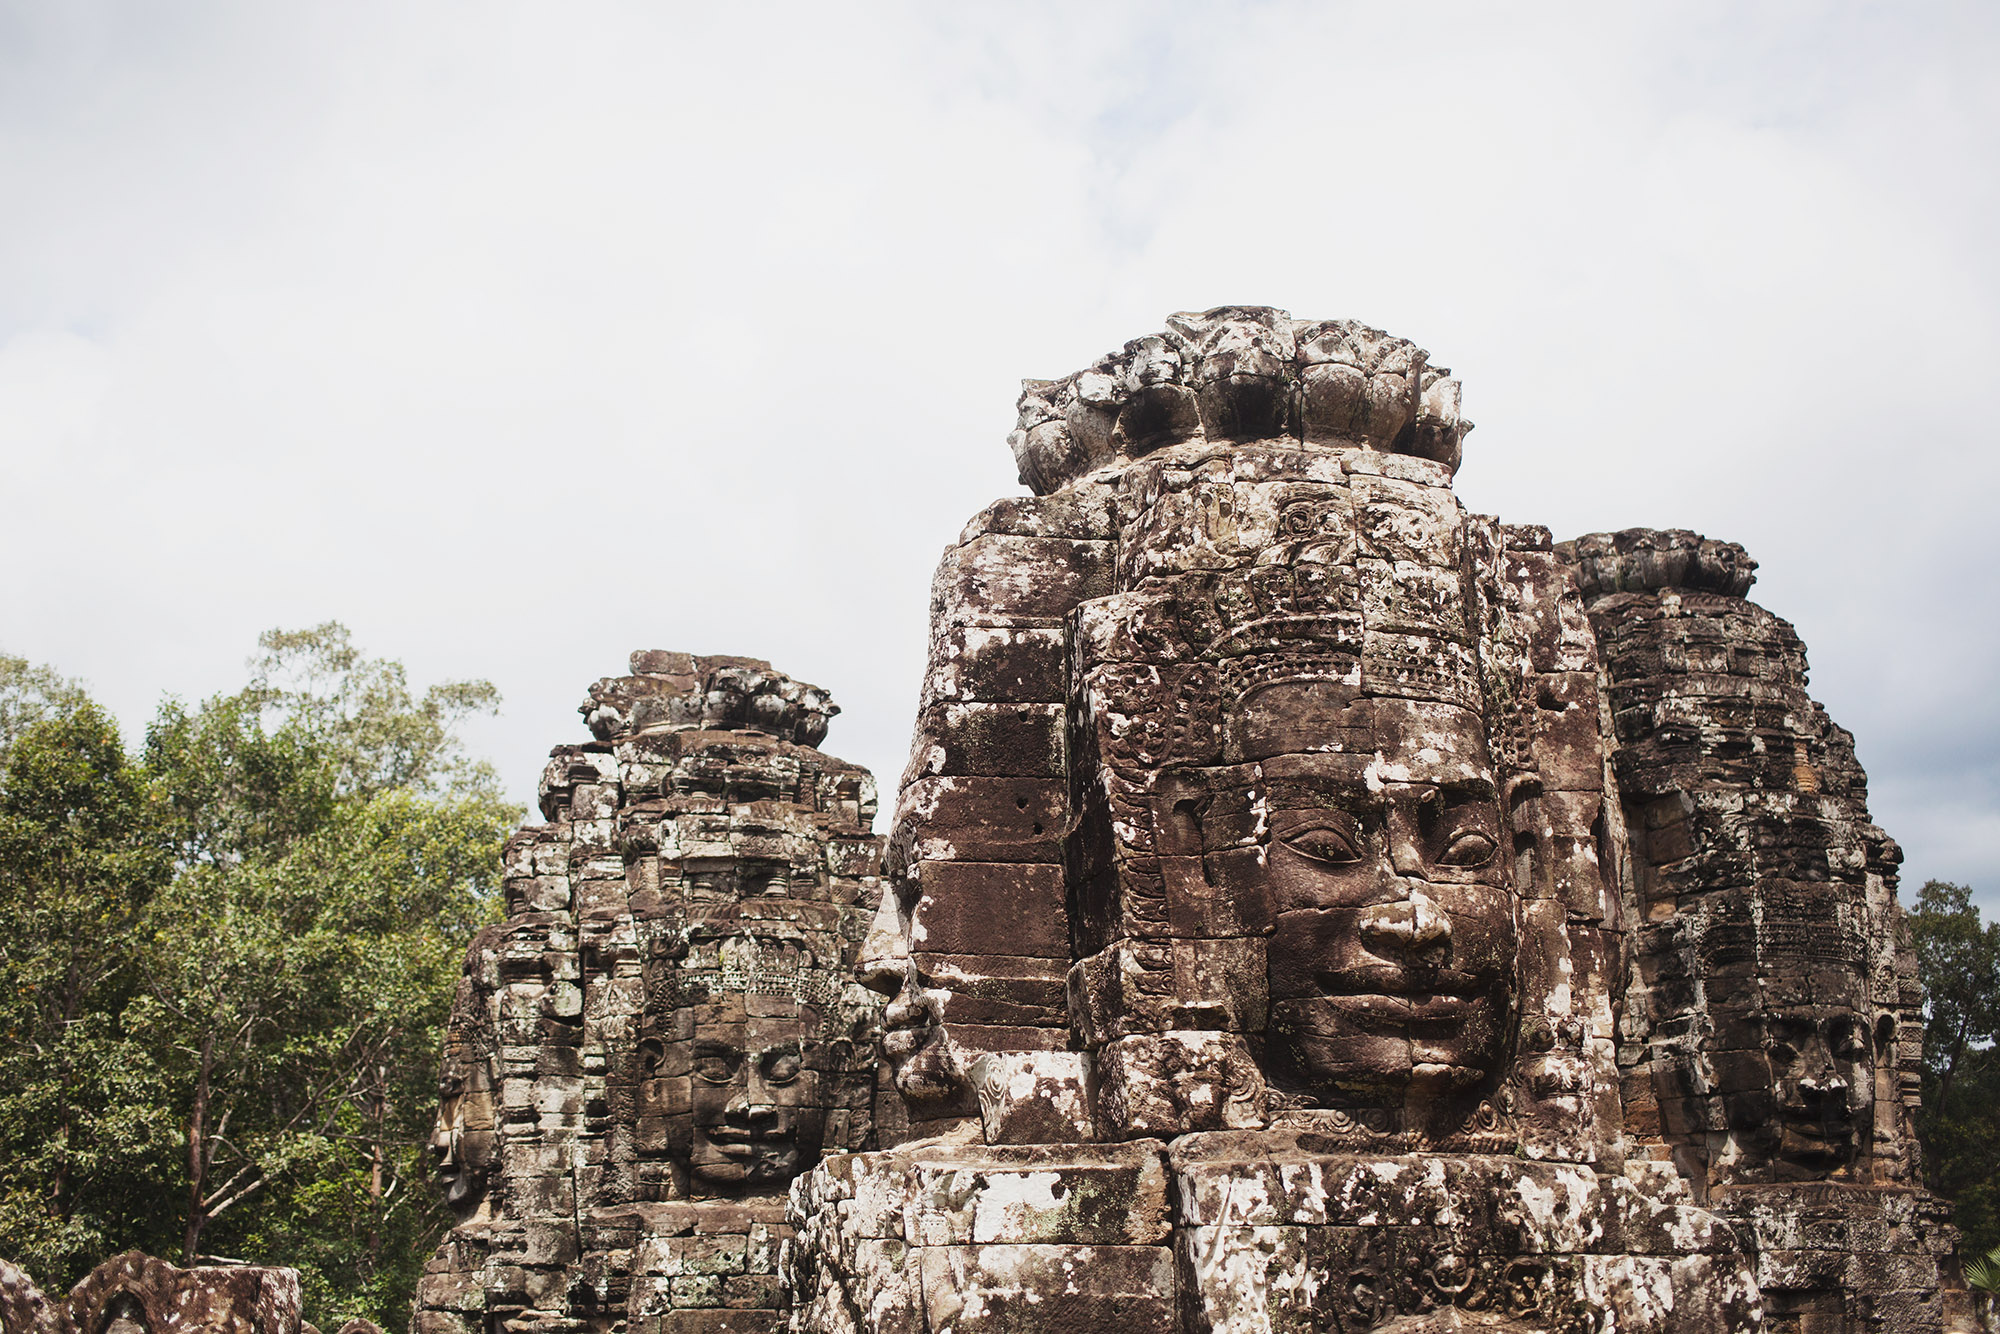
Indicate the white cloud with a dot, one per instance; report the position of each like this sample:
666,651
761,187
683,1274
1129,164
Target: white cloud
521,337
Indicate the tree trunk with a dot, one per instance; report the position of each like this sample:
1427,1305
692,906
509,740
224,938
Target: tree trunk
377,1112
197,1213
71,1010
1951,1069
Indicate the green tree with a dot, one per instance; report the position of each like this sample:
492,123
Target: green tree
335,851
84,1125
30,693
227,966
1958,960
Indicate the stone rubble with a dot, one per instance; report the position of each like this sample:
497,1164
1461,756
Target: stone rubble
137,1294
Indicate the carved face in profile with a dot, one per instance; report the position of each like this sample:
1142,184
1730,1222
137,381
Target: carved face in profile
463,1142
1393,950
919,1054
741,1094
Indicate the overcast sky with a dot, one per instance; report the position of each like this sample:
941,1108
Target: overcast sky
518,337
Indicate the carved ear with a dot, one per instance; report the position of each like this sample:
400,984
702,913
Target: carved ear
1177,823
1518,786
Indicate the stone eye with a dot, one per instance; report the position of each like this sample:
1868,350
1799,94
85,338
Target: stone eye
781,1067
715,1065
1324,845
1845,1040
1468,848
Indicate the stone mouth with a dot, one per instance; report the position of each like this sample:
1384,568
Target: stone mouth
744,1140
1404,984
1403,1011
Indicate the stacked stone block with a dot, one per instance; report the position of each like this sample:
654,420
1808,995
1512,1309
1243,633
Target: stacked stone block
665,1026
977,845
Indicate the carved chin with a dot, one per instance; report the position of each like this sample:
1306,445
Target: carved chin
922,1067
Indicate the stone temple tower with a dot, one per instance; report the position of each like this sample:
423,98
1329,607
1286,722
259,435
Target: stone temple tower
1308,905
666,1027
1314,906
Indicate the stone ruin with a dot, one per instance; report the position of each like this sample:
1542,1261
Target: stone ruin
666,1028
1312,906
137,1294
1308,906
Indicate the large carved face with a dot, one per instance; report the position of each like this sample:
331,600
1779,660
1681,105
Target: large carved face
1392,956
463,1143
756,1109
926,1070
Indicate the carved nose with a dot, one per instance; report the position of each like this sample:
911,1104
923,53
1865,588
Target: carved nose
1415,925
907,1009
882,974
750,1105
885,954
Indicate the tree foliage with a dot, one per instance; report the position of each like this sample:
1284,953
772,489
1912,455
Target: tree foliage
1958,959
30,693
231,961
84,1130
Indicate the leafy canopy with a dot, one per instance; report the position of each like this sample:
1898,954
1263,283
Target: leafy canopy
1958,960
227,966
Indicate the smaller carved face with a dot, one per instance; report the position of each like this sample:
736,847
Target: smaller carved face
756,1082
463,1144
1805,1095
920,1056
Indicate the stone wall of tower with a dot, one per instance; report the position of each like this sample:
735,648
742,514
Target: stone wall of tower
1773,1020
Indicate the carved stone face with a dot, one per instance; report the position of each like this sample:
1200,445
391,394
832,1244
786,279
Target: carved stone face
1803,1095
1392,957
463,1144
756,1086
921,1060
